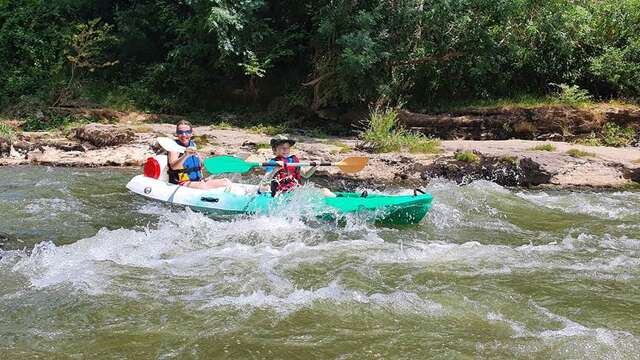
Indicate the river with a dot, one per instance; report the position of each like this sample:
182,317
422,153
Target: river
89,270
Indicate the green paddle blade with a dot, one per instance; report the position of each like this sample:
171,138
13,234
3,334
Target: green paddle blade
228,164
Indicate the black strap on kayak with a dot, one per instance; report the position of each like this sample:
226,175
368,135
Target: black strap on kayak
364,194
416,191
209,199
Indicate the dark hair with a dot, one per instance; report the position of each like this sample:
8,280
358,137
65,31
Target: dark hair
183,122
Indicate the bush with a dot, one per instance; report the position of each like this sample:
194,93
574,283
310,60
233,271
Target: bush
420,144
383,134
577,153
466,156
544,147
7,132
571,95
268,129
44,122
591,140
616,135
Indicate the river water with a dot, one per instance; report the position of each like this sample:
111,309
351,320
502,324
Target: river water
89,270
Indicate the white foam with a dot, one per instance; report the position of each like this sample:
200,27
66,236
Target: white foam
395,302
587,203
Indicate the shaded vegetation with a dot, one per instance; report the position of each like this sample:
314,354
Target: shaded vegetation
611,134
291,59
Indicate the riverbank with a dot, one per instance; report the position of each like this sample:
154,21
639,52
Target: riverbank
506,162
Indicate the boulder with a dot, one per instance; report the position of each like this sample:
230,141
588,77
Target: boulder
505,171
104,135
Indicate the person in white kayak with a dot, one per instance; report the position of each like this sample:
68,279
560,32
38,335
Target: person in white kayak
186,169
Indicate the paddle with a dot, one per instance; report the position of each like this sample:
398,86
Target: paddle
230,164
170,145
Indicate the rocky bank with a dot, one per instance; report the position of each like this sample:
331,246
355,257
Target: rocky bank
506,162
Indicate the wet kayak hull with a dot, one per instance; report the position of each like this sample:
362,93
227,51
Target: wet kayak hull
244,199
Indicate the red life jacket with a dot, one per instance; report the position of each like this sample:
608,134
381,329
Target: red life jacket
287,178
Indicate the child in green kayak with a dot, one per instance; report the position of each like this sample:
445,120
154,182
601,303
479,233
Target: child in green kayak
285,178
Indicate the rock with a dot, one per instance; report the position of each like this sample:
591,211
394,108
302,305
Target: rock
632,174
504,171
104,135
5,147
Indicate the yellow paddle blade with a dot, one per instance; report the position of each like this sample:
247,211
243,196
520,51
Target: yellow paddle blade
353,164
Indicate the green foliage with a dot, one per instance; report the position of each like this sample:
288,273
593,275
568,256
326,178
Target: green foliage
577,153
222,125
253,67
263,146
420,144
270,130
510,159
48,121
7,132
33,36
591,140
544,147
202,56
85,53
466,156
382,133
616,135
572,95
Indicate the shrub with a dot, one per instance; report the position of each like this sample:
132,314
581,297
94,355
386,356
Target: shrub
45,122
577,153
510,159
383,134
571,95
544,147
7,132
616,135
466,156
591,140
268,129
221,125
420,144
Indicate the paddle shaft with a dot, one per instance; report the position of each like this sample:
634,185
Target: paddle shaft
313,163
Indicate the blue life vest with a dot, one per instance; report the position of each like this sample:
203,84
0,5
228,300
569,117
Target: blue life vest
191,168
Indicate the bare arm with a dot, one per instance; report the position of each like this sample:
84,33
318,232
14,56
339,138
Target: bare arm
308,172
176,161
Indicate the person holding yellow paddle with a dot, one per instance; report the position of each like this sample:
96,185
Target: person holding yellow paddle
285,169
285,178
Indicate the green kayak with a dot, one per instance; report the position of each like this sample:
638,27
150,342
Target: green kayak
244,199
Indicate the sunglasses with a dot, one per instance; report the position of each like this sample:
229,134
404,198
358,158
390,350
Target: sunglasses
184,132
